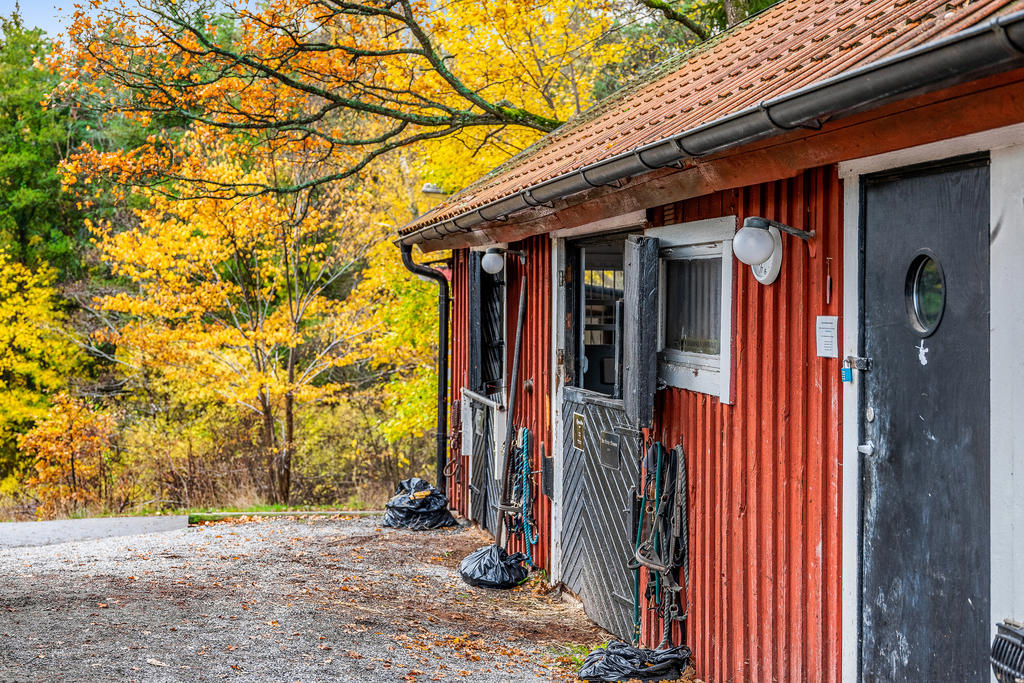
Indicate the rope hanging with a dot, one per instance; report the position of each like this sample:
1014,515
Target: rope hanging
523,496
664,549
454,463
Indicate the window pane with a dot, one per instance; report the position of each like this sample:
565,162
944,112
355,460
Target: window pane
693,305
602,290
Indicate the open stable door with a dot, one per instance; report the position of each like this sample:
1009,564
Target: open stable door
605,281
640,350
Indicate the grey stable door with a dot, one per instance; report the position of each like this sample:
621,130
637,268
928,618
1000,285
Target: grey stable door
601,461
925,424
602,442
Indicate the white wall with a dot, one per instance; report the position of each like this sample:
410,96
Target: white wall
1007,320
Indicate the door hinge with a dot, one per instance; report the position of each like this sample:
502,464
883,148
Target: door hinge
560,357
858,363
561,278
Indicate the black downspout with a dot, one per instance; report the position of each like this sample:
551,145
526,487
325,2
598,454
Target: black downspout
443,304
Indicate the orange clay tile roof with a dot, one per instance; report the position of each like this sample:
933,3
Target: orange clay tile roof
788,46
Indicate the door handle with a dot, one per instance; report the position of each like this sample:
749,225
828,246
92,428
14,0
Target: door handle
866,448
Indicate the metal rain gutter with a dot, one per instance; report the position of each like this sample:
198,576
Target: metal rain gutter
443,308
993,47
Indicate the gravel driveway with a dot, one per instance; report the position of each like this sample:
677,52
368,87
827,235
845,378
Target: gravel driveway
275,600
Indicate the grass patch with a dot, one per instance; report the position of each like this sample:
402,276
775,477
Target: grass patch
571,655
198,515
219,515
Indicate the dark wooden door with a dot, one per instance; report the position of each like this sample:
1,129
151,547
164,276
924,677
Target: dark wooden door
925,424
600,448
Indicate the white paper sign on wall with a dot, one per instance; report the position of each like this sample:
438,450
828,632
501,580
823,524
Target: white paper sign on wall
828,336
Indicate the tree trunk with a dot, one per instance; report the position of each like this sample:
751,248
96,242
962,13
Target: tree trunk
289,432
285,481
733,11
267,444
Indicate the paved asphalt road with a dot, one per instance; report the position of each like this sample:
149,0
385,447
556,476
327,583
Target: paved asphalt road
21,534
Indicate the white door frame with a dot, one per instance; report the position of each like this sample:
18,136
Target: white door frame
557,342
1006,146
626,221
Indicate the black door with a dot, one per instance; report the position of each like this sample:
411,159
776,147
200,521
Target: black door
925,424
486,300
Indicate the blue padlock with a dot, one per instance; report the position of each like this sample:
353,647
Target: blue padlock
847,371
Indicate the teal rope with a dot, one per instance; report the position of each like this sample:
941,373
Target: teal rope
636,572
656,530
530,534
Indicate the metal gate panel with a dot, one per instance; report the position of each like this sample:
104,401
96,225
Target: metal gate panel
596,515
484,487
480,460
492,331
573,503
493,494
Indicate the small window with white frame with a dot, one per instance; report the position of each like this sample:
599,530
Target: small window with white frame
695,309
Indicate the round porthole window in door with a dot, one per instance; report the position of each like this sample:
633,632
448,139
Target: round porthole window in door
925,293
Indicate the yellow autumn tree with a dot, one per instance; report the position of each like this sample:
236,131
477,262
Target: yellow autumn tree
34,357
401,345
307,97
240,300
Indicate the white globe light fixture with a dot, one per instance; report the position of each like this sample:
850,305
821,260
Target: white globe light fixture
759,244
493,261
753,245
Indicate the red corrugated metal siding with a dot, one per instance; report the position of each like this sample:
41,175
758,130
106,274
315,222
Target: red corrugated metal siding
458,482
533,408
765,473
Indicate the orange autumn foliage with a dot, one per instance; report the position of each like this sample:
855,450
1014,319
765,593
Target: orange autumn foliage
334,86
70,448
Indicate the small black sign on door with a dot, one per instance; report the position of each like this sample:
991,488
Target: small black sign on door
577,430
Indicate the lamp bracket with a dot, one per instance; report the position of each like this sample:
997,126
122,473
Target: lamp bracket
765,223
516,252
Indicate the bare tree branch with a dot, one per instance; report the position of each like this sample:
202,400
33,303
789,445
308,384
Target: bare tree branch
670,12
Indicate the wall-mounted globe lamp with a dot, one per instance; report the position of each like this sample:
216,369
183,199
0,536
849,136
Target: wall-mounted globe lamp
494,259
759,244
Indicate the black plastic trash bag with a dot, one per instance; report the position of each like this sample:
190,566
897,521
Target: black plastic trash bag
417,505
622,662
492,567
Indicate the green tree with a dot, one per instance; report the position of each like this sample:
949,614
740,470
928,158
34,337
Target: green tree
38,224
657,31
706,18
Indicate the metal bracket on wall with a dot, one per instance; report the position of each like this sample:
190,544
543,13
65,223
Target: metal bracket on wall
862,364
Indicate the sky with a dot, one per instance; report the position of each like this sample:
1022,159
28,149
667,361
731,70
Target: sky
49,15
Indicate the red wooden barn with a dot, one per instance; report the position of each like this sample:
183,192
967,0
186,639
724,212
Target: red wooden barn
782,276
